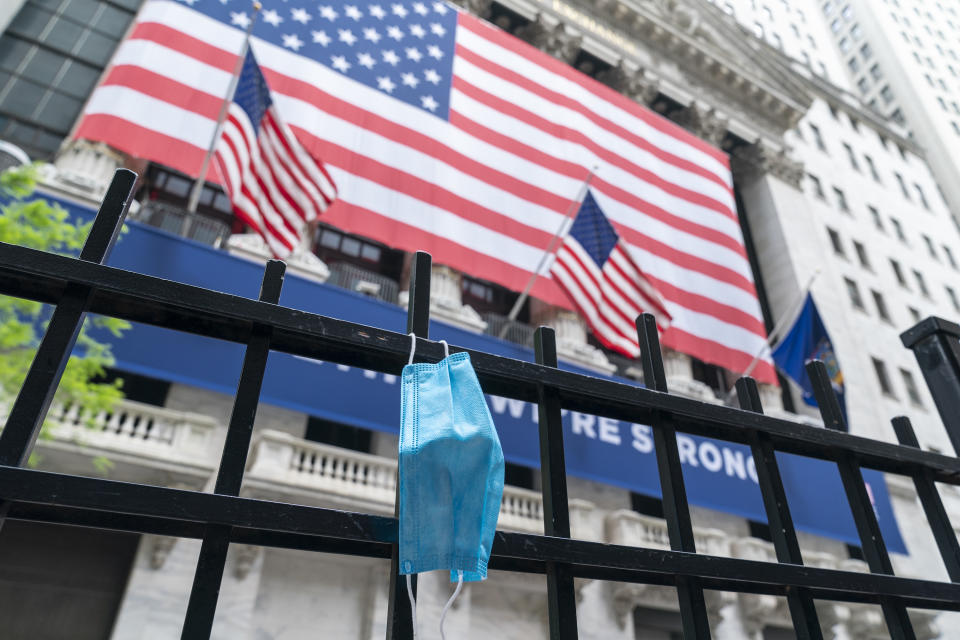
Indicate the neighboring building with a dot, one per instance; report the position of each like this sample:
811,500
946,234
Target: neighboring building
902,56
823,182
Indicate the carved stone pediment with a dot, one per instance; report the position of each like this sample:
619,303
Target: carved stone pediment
551,37
762,157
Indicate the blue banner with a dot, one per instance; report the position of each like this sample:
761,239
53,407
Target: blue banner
719,475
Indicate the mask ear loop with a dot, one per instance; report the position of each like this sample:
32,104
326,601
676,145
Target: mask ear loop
413,602
413,608
446,607
413,346
446,349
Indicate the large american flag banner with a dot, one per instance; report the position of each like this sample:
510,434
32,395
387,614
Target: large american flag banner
274,185
604,282
446,134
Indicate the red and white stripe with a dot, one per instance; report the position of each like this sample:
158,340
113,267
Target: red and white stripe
610,297
483,193
274,185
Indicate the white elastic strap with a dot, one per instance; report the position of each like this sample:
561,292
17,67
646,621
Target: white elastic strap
413,346
446,349
456,592
413,607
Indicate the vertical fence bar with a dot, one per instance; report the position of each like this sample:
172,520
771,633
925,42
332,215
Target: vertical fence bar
806,623
561,595
399,618
676,511
208,576
932,505
30,408
935,343
871,539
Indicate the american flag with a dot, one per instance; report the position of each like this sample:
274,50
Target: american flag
274,185
446,134
603,282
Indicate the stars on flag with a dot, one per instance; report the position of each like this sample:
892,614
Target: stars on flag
291,41
272,17
300,15
400,48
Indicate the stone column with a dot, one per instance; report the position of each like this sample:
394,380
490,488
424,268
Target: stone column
679,369
571,332
85,168
446,297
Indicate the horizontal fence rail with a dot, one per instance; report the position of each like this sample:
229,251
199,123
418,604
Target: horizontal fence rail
83,285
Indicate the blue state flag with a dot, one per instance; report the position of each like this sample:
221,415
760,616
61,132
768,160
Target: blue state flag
808,340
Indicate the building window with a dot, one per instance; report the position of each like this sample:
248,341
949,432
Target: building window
836,243
898,229
51,55
856,32
847,13
851,156
881,370
956,129
862,256
922,196
898,273
911,386
897,116
758,29
875,72
872,167
953,298
949,254
844,45
863,85
866,51
817,137
903,185
841,200
881,305
930,248
886,94
921,283
835,25
854,64
854,291
817,187
914,313
877,221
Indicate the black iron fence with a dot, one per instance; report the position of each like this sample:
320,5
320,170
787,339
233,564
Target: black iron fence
77,286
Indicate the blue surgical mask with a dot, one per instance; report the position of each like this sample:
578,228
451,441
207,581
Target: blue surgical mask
450,468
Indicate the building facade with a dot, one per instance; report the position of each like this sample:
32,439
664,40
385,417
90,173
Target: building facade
829,190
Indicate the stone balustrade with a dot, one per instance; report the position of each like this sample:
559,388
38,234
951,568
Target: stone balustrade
139,429
282,458
632,529
279,457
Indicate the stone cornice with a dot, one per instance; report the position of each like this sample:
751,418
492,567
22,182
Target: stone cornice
683,35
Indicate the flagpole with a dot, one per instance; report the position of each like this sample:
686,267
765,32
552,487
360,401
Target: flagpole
785,320
575,204
231,89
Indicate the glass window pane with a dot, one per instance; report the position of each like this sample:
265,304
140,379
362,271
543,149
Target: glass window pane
78,80
97,48
59,112
351,247
112,21
22,99
81,11
370,252
13,51
30,21
132,5
44,66
330,239
64,35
